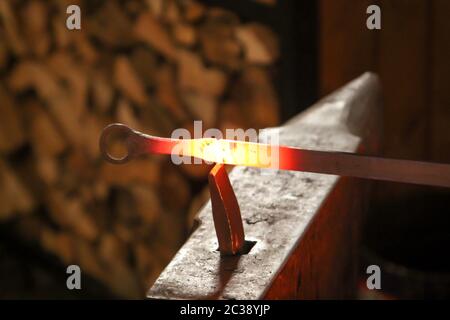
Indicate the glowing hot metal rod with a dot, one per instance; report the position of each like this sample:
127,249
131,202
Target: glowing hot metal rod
242,153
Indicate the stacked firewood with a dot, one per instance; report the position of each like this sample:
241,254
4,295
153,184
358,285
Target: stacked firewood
155,65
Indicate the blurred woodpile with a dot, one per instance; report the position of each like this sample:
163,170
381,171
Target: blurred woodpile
155,65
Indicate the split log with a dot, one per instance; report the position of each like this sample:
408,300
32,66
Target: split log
84,48
194,76
193,10
100,191
11,127
140,170
4,54
124,233
223,52
231,116
13,36
134,7
48,240
166,93
66,247
127,81
148,30
77,168
157,119
61,244
260,43
126,115
33,75
184,34
129,225
147,203
144,63
62,38
68,212
102,92
122,280
47,168
222,16
110,25
172,12
88,259
256,96
270,3
14,196
45,137
29,228
35,17
64,67
202,108
92,127
156,7
218,41
174,186
112,249
145,263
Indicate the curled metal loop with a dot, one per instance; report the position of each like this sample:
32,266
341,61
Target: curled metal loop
114,129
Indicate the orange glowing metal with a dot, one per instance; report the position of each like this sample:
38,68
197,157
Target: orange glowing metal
210,150
228,152
280,157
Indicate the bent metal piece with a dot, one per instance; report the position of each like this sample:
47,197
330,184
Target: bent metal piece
289,158
226,213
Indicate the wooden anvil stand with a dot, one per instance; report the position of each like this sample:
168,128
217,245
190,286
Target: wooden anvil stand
305,227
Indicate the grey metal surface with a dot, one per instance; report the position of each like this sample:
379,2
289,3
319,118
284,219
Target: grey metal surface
276,206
